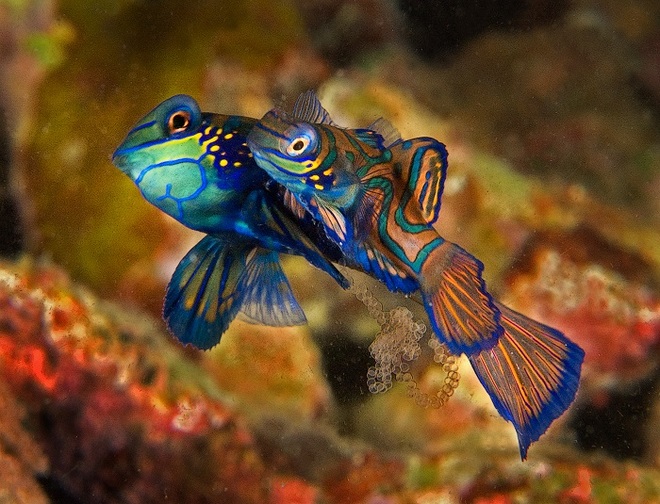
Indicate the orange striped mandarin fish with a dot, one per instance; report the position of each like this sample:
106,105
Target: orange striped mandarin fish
378,196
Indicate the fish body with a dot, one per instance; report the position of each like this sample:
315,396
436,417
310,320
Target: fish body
378,197
196,167
366,195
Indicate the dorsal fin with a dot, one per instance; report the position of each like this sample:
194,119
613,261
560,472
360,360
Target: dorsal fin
370,137
308,108
386,130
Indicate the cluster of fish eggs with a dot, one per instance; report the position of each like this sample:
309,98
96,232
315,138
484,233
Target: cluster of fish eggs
397,345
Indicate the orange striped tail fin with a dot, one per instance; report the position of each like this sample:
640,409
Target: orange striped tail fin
531,375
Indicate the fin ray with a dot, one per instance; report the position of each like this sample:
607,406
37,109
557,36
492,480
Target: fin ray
373,262
386,130
268,298
201,298
455,296
308,108
531,375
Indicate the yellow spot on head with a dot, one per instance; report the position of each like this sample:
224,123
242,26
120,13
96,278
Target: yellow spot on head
249,154
237,164
223,162
319,187
207,131
328,171
215,148
314,177
228,136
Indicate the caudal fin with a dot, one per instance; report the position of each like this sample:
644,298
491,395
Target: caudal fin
456,300
531,375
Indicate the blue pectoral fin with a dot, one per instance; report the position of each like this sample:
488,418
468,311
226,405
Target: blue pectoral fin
202,297
268,298
531,375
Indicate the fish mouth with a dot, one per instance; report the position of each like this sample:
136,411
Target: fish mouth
131,162
121,160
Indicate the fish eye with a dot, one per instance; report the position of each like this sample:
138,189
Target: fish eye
297,146
178,121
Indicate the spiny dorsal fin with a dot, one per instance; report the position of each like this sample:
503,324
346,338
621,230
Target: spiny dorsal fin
386,130
308,108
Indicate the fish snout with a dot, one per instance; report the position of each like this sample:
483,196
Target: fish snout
131,162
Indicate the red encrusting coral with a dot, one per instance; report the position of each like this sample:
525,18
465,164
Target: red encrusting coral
113,423
602,297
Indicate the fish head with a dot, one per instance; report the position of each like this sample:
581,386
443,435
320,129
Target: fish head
194,166
162,134
289,150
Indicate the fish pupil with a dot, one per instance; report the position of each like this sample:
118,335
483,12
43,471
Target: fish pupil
298,145
178,121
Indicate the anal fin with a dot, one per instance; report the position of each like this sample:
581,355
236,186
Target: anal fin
378,265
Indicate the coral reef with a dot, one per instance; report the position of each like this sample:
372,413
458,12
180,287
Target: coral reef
21,458
118,422
553,182
600,296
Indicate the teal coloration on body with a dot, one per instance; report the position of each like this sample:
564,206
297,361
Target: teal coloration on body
196,167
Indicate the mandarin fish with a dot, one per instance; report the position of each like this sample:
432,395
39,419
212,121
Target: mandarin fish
196,167
378,197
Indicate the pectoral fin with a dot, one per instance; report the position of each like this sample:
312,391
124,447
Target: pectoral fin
267,297
281,233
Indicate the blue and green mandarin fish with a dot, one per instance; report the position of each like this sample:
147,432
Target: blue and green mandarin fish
378,197
196,167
